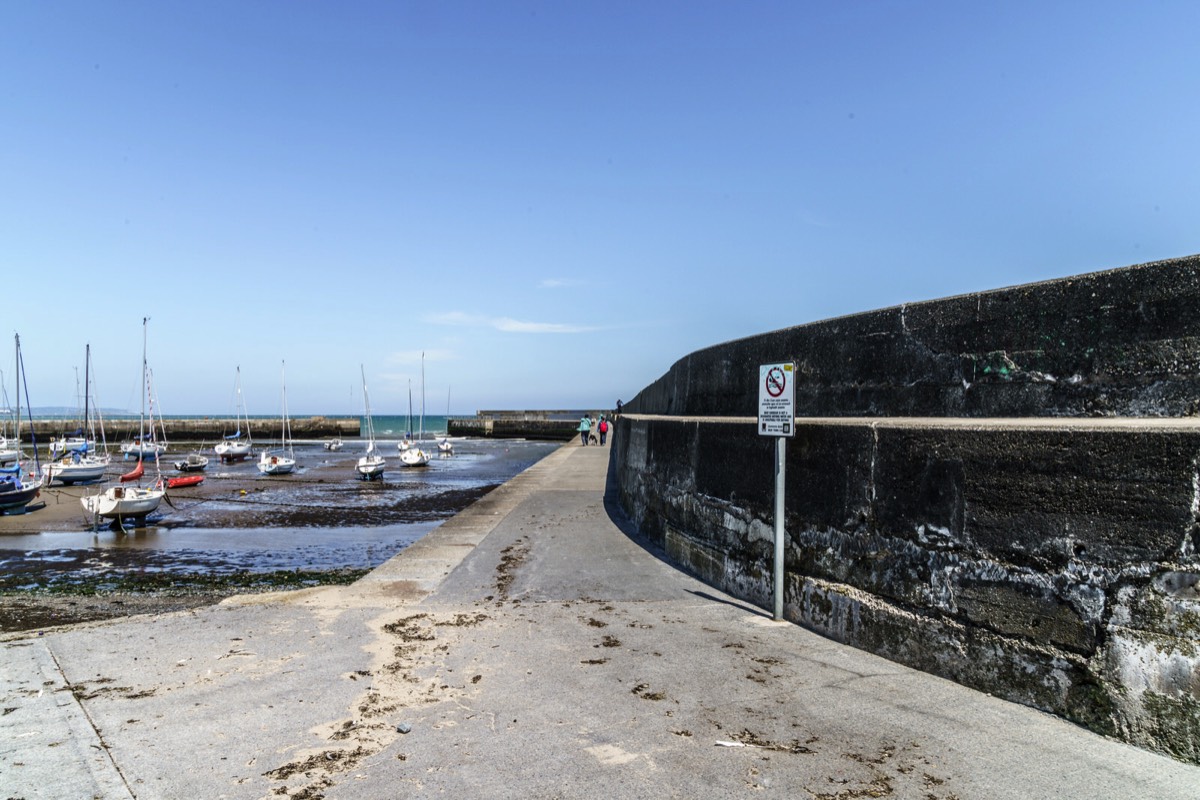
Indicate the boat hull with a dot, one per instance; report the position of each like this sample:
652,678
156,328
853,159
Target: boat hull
232,452
414,457
185,481
76,472
370,468
118,502
276,465
147,452
193,463
17,499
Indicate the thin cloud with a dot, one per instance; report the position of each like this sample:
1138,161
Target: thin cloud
505,324
559,283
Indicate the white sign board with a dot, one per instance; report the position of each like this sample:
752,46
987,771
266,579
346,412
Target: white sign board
777,399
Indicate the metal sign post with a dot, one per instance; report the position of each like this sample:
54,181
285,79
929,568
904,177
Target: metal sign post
776,417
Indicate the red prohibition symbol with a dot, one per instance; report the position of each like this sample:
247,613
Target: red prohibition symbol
776,381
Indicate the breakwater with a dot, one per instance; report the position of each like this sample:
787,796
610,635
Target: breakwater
560,425
201,429
999,488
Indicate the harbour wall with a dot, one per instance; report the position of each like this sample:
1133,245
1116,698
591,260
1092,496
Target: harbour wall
559,425
1001,488
202,429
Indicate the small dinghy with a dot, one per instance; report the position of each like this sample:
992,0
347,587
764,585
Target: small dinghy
184,481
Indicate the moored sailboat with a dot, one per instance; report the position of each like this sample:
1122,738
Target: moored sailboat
372,464
16,492
411,453
82,464
131,502
233,447
282,460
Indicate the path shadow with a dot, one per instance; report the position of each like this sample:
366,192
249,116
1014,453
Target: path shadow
618,517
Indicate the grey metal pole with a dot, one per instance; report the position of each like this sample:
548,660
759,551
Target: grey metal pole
780,461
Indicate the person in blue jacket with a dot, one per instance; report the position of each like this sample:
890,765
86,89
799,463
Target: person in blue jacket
585,428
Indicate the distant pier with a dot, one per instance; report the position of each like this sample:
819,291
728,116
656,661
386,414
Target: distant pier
203,429
553,425
545,425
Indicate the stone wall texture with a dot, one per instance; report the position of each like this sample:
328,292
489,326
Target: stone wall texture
1002,489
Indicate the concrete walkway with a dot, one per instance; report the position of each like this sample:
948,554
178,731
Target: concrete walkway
528,648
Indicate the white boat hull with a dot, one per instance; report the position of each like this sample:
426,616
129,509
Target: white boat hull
232,452
275,464
122,501
68,471
145,452
414,457
193,463
60,447
371,467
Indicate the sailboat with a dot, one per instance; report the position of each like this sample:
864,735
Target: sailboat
335,444
76,440
80,464
444,445
233,447
16,493
283,460
413,455
122,502
372,464
406,442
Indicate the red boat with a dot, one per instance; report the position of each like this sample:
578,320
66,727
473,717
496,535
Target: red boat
184,481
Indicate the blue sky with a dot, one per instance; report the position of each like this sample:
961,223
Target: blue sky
554,201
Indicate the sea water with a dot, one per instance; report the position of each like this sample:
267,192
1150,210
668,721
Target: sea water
303,522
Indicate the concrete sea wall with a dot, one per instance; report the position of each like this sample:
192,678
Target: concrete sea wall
1002,489
558,425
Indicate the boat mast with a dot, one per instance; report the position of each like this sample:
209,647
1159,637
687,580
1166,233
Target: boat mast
287,427
22,381
99,413
367,408
87,357
142,411
17,359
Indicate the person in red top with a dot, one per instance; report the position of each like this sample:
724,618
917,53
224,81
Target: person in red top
603,429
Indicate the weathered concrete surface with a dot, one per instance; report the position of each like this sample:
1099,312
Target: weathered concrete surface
514,428
988,552
532,648
1048,561
1122,342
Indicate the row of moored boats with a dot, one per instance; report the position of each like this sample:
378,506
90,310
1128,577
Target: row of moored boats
75,458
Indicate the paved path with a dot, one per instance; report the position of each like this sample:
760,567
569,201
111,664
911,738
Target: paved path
528,648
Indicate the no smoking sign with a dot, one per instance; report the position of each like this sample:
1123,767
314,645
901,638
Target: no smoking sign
777,399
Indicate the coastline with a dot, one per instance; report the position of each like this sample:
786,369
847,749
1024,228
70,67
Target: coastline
162,567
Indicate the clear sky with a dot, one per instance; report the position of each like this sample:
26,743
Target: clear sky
554,201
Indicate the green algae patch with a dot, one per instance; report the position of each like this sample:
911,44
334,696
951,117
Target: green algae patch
178,582
87,599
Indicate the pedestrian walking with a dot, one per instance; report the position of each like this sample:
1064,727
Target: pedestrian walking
585,429
603,429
